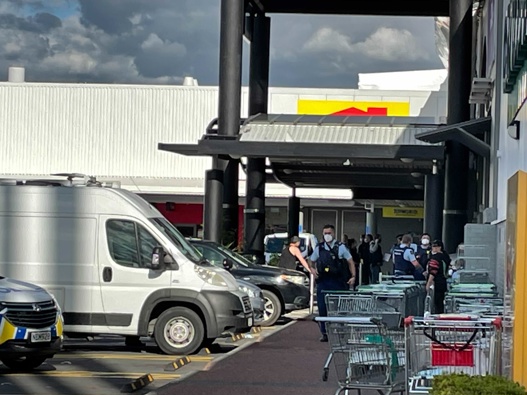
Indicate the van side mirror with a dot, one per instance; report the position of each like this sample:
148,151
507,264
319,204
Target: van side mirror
227,264
158,258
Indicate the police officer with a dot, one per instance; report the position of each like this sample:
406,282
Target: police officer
405,263
335,270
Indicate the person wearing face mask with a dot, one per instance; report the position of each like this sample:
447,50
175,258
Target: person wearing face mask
424,250
335,270
437,268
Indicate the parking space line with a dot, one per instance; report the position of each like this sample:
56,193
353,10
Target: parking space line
86,374
193,358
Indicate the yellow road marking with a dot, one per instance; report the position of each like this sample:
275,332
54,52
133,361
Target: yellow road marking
84,374
194,358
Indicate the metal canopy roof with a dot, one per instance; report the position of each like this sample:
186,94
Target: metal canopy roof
354,7
377,157
464,133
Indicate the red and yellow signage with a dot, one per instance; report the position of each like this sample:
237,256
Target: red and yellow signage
353,108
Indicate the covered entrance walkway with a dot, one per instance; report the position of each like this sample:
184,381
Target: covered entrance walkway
377,158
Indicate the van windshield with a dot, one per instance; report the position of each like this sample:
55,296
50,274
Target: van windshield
275,245
177,238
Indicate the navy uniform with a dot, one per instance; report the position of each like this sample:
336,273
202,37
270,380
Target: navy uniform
403,256
333,272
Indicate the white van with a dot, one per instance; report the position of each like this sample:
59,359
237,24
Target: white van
275,243
116,265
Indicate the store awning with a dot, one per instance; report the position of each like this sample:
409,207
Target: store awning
464,133
329,137
376,157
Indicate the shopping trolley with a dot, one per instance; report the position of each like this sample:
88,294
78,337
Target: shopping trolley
446,344
367,355
352,304
454,301
405,297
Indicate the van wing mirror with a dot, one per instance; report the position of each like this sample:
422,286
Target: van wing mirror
158,258
227,264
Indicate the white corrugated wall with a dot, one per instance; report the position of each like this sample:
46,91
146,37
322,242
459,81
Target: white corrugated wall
104,130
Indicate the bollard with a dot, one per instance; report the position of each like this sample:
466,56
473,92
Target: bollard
360,272
311,293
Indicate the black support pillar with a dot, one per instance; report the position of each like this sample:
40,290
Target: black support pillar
293,216
254,229
212,222
231,36
434,197
459,85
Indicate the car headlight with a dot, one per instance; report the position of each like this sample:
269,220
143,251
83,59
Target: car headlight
57,305
299,280
248,291
210,277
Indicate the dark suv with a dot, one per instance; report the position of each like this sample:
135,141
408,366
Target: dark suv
284,290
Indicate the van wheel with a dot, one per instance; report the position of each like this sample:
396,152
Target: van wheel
272,308
23,364
179,330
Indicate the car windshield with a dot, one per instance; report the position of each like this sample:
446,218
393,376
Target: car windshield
177,238
275,245
235,256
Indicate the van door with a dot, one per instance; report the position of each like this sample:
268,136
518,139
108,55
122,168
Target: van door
125,251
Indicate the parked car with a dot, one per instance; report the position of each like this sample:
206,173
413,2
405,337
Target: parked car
30,325
284,290
116,265
275,243
257,299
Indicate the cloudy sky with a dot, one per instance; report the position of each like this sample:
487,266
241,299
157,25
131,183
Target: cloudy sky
161,41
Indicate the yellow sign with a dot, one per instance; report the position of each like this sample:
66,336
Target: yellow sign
403,212
353,108
516,272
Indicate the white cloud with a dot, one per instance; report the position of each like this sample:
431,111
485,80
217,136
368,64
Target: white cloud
71,62
327,39
391,45
387,44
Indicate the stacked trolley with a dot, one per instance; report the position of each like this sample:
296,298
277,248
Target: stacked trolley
466,340
450,344
366,336
473,292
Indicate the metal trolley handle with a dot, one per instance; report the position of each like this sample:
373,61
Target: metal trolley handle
450,346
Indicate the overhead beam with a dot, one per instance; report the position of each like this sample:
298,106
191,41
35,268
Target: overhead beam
238,149
352,180
387,194
340,7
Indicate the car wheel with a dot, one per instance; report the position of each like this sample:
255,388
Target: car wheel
272,308
179,331
23,364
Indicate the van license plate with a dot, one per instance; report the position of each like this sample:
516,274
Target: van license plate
40,337
250,321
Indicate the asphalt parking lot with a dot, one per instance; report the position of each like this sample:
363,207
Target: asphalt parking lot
106,366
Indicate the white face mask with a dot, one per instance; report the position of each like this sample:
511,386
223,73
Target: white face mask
425,242
328,238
